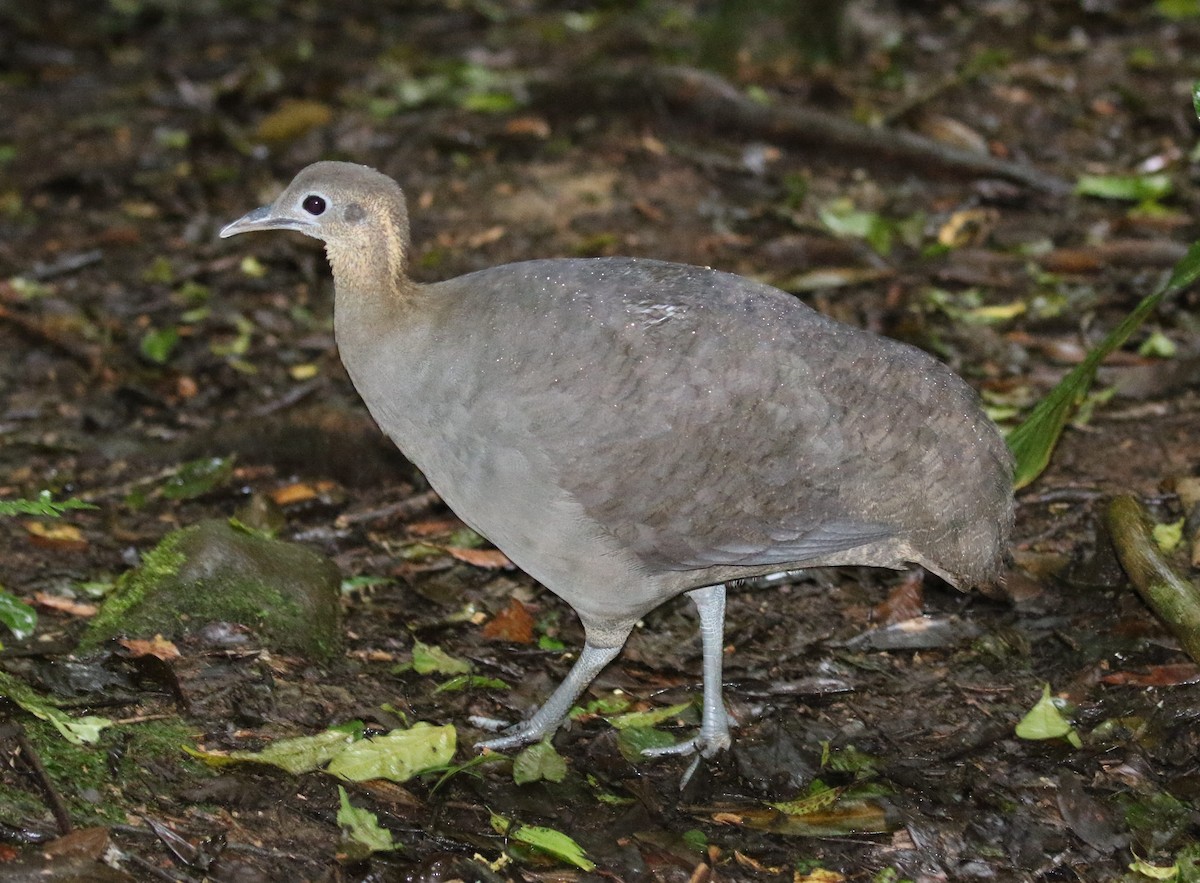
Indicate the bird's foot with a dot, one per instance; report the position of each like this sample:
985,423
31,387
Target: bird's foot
704,744
513,736
701,746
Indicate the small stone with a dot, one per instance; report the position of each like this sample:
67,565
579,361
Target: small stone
215,572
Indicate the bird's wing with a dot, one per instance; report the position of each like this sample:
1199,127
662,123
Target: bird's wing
821,542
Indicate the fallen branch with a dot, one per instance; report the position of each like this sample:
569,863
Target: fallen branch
709,99
1173,598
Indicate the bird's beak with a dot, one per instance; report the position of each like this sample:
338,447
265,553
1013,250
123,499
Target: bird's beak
263,219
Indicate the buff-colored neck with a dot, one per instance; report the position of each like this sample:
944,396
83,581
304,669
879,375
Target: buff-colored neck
370,270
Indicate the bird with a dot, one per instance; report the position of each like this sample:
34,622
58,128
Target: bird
628,430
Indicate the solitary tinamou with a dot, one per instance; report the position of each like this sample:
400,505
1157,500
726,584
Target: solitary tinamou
628,430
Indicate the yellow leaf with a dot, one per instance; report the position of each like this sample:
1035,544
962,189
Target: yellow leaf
292,120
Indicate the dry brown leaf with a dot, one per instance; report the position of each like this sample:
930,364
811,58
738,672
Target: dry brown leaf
528,126
967,227
157,646
86,842
300,492
372,655
820,875
1174,675
486,237
65,605
491,559
430,527
754,864
905,601
514,623
61,536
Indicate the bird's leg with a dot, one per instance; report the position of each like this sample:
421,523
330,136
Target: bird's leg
547,718
714,719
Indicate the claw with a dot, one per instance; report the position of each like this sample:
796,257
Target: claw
515,736
706,745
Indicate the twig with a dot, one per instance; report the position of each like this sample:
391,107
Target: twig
67,263
87,356
409,507
62,816
288,399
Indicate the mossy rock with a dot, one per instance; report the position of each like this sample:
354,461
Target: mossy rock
215,571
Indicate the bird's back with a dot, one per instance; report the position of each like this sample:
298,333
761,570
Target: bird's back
713,426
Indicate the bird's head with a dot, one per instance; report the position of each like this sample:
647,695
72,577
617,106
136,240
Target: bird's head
357,212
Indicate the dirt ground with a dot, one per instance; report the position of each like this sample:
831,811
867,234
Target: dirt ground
135,341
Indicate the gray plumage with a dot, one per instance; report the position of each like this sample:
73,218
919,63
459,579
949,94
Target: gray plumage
628,430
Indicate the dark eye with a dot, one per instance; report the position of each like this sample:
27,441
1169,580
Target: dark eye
313,204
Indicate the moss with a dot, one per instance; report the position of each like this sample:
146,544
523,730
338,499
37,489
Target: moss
94,789
79,773
160,563
214,572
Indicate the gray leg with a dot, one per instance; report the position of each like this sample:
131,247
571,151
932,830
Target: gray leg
714,719
547,718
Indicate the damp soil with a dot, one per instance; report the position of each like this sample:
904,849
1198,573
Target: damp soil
135,341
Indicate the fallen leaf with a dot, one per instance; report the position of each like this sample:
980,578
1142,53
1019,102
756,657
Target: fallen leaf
491,559
433,526
300,492
292,120
157,646
967,227
905,601
1175,675
528,126
65,605
514,623
61,537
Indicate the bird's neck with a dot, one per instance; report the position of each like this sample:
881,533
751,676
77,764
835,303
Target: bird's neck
370,273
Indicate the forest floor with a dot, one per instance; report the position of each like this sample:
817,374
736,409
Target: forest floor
138,344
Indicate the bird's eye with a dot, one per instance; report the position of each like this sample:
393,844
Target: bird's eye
313,204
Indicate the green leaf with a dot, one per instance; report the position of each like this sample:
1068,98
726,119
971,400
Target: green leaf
197,477
302,754
841,218
1168,536
252,267
1154,872
1177,10
44,506
545,840
651,718
1044,720
604,706
361,828
471,682
20,618
1128,188
158,344
820,798
1034,440
430,658
489,102
695,839
160,270
353,584
538,762
632,742
398,755
1159,346
76,730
